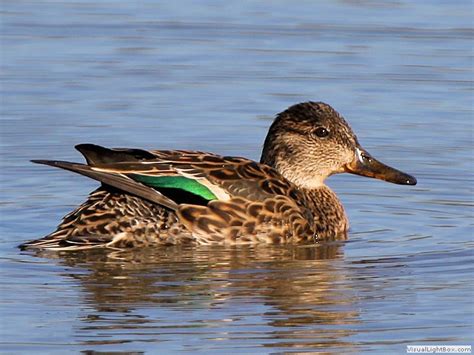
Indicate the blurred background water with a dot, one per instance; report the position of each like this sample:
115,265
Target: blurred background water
211,75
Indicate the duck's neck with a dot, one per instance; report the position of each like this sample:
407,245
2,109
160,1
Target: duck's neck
329,215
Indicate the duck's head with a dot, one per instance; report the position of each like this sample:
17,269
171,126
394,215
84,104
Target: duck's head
310,141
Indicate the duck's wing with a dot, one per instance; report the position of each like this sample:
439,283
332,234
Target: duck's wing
206,176
217,198
209,176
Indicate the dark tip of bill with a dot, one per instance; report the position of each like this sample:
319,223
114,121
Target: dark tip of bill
411,180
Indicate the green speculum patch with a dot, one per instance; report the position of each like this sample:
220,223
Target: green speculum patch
175,182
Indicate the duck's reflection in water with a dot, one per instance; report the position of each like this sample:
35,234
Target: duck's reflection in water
278,296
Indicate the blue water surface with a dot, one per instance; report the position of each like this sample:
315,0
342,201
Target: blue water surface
211,75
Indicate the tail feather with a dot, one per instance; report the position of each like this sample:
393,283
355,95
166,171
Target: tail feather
118,181
52,240
59,242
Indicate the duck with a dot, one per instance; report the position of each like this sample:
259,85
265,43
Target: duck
173,197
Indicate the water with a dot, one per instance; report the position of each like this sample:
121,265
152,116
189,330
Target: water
210,76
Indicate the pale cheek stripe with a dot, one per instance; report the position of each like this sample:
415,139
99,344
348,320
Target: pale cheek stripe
359,155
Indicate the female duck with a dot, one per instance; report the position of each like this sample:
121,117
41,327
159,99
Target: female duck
176,197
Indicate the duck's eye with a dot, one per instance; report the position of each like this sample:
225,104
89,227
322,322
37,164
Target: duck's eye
321,132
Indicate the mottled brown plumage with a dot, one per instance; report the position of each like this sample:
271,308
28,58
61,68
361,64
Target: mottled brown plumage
177,197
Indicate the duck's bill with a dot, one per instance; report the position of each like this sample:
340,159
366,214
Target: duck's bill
364,164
